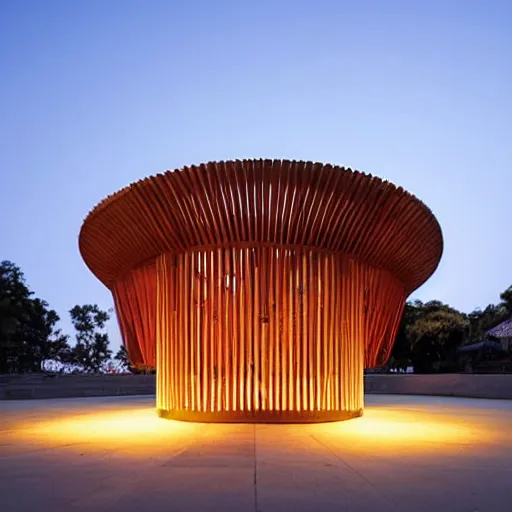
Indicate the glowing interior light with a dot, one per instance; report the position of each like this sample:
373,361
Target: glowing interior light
260,290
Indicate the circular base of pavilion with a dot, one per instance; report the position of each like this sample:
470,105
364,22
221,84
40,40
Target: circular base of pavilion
259,416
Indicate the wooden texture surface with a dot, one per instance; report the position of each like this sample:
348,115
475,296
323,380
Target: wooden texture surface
264,286
270,201
135,303
269,329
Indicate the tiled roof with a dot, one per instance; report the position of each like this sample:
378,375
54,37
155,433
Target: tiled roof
503,330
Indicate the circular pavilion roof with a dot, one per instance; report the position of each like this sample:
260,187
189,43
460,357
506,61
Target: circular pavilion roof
263,202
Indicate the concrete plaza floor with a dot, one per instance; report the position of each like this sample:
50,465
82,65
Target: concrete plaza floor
406,453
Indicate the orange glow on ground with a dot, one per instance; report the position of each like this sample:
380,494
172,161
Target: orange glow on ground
421,453
133,430
134,426
140,432
387,430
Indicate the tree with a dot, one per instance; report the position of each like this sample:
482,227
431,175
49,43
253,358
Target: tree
428,337
91,350
481,321
434,336
28,334
401,353
506,300
122,357
14,295
42,341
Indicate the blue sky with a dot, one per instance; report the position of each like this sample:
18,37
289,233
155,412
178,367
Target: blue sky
95,94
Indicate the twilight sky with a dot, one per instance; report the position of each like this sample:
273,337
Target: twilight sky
95,94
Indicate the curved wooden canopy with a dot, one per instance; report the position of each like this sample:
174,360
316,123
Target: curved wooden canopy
266,202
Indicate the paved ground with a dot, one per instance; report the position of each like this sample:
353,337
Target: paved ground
406,453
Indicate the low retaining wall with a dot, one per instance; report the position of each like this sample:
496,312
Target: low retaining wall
463,385
21,387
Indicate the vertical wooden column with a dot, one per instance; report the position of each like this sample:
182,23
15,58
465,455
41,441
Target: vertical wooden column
264,333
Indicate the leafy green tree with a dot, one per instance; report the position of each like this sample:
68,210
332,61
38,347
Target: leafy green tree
28,333
91,351
42,341
401,354
506,301
14,296
481,321
428,337
122,357
434,336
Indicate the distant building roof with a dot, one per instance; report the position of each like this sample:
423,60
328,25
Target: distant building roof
503,330
480,345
